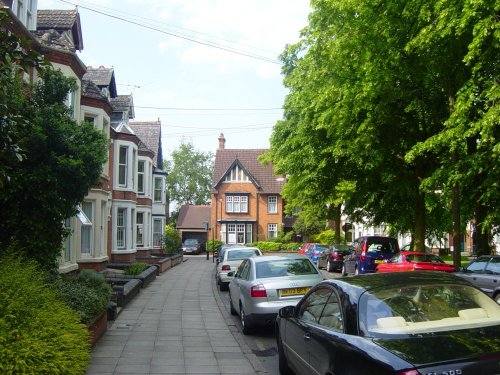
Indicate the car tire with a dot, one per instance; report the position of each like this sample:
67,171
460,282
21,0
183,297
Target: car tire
231,308
223,286
282,361
343,271
245,324
329,266
497,298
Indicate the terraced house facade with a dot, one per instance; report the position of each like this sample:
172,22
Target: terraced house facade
125,213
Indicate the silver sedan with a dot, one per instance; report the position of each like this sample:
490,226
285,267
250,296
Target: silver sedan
262,285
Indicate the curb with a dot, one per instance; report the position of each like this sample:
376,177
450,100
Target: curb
238,336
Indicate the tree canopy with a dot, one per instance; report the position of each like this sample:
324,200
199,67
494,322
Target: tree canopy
368,119
57,161
189,175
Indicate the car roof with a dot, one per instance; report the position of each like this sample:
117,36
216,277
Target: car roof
266,258
415,253
389,279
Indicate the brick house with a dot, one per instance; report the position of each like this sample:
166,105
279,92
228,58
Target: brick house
246,197
193,221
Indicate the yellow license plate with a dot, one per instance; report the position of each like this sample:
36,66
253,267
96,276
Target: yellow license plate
293,292
378,261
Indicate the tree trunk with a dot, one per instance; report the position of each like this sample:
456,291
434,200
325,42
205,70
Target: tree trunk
456,235
419,226
333,220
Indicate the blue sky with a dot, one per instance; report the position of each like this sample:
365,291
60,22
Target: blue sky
197,91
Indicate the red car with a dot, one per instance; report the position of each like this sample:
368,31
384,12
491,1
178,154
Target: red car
304,247
414,261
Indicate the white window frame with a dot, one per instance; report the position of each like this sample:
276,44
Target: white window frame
157,234
121,228
68,241
237,174
236,203
272,231
272,204
158,190
140,232
141,177
87,228
122,166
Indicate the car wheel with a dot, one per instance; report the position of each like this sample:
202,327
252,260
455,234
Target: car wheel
245,324
329,266
231,308
497,298
282,361
343,271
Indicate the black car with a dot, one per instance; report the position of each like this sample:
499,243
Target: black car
484,272
333,258
393,323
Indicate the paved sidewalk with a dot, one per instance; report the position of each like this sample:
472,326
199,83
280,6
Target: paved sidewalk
176,325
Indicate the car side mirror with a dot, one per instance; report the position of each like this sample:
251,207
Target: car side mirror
287,312
231,274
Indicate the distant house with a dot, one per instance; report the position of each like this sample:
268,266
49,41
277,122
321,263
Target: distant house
246,196
194,222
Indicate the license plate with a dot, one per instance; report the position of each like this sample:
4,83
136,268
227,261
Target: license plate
293,292
378,261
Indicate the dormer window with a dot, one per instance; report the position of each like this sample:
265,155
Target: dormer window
237,174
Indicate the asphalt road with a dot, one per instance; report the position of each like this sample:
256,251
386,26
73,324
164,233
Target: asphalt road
262,341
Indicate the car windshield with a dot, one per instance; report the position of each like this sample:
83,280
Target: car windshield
190,242
284,267
425,309
424,258
342,248
241,254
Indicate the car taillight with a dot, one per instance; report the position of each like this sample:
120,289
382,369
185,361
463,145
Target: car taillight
335,255
258,291
226,267
409,372
363,252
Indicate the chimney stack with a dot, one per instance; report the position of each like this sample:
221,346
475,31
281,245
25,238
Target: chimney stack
222,141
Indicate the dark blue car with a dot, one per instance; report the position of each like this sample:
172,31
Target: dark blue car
368,252
314,250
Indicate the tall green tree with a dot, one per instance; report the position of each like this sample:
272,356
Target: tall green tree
61,161
189,175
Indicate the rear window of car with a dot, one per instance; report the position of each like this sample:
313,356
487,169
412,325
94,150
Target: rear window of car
424,258
381,244
241,254
425,309
285,267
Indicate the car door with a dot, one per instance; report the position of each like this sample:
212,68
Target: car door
323,258
238,282
352,258
490,280
475,272
298,334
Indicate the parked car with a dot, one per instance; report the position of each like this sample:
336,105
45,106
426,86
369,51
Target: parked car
302,250
314,250
333,257
231,261
222,249
262,285
394,323
368,252
484,272
191,246
414,261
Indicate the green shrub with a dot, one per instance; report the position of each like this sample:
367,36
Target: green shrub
214,245
39,333
172,240
326,237
88,294
135,269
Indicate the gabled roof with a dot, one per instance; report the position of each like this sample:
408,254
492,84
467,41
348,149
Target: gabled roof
89,89
60,28
102,77
150,133
193,217
123,103
262,176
